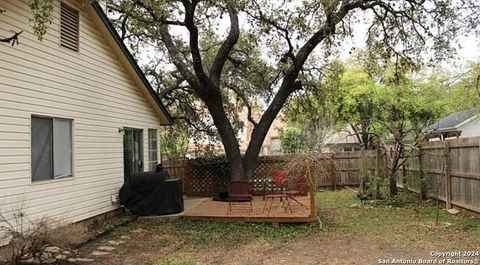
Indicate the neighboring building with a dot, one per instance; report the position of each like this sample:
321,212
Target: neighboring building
341,141
461,124
271,145
76,114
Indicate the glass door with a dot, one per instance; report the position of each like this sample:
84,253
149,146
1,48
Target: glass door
132,151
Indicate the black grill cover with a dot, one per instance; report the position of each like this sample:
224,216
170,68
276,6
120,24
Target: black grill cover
148,193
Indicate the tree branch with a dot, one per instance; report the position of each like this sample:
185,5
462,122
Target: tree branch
227,46
13,39
194,45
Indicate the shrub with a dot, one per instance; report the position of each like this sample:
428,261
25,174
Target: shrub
26,239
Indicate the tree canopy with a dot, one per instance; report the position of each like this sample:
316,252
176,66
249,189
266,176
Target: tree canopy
269,51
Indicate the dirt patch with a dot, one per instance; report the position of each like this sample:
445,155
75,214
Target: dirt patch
323,250
316,249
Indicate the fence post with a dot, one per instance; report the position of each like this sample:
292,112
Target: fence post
375,183
333,175
423,178
363,170
448,177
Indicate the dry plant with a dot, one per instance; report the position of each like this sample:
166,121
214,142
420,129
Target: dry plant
310,167
26,239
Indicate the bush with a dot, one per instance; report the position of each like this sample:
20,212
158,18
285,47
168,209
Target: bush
25,239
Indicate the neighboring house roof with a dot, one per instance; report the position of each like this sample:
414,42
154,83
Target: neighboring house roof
453,121
345,136
111,29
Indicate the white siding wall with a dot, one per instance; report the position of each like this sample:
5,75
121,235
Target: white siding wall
471,129
93,88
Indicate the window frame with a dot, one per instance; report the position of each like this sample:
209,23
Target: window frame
72,8
72,158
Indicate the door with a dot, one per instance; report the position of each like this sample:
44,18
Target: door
132,151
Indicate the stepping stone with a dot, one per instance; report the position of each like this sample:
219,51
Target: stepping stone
60,257
453,211
49,261
105,248
116,242
52,249
80,260
100,253
125,237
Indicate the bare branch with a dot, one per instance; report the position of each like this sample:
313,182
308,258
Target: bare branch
13,39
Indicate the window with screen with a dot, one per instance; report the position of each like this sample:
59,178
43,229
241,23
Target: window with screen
51,148
152,149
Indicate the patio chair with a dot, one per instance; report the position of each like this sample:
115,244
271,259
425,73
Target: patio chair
239,194
277,184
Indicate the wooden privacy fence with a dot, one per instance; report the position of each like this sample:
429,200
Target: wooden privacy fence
451,169
337,170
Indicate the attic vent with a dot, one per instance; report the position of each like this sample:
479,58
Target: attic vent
69,20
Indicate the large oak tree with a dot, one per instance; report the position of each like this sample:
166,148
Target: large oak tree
272,49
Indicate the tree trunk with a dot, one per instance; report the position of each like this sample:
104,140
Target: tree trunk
261,129
375,185
363,172
392,184
227,134
392,181
423,180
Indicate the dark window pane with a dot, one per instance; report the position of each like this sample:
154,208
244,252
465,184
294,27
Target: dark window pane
137,151
41,148
127,152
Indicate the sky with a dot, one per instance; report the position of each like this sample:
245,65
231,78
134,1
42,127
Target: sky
468,52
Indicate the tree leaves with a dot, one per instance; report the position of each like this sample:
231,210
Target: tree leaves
41,11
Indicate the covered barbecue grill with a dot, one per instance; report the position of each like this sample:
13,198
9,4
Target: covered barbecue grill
150,193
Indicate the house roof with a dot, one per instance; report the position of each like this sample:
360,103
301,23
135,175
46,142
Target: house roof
345,136
111,29
452,121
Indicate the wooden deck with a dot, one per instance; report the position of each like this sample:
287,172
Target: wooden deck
218,211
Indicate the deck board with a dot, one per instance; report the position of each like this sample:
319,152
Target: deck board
218,211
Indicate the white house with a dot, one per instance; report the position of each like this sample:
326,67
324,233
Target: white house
461,124
341,141
76,114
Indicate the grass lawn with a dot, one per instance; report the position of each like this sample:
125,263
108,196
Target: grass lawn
349,232
402,221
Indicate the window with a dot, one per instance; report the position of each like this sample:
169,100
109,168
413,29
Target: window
51,142
152,149
69,27
347,149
